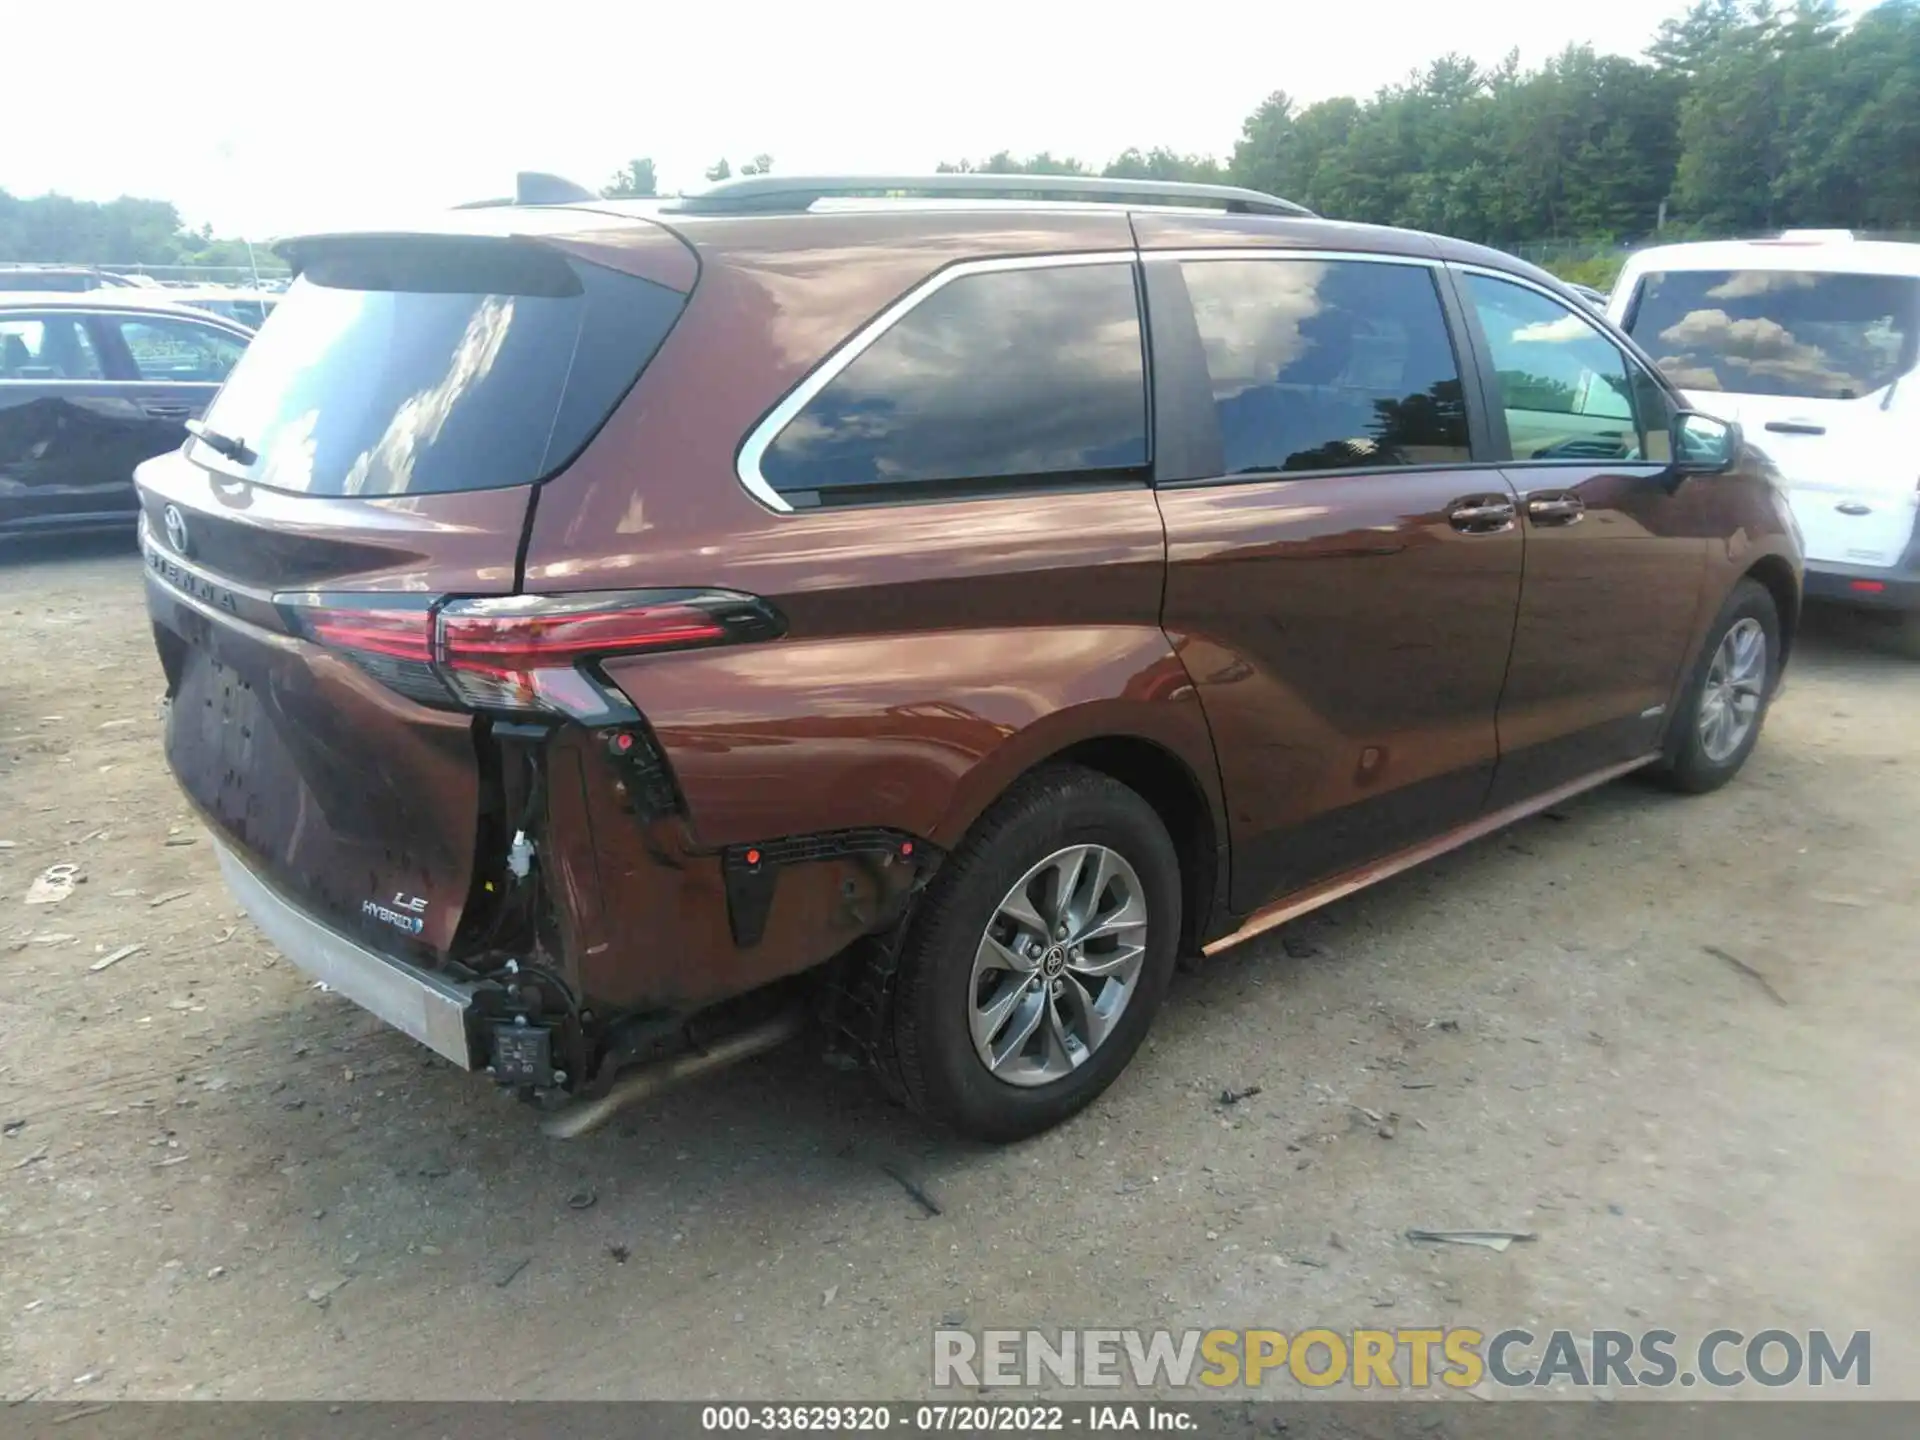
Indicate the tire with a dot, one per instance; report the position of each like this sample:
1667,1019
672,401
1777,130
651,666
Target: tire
1694,763
930,1058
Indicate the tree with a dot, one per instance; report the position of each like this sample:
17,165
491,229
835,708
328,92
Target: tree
634,180
1003,162
1266,156
1683,47
1756,127
1163,164
1743,116
127,231
1875,134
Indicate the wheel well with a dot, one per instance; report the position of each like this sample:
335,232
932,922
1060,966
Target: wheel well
1164,782
1777,576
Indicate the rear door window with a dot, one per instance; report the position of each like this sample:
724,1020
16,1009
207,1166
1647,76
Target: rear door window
1778,332
405,367
999,376
1568,391
1328,364
47,347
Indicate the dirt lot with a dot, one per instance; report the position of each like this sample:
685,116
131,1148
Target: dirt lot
216,1180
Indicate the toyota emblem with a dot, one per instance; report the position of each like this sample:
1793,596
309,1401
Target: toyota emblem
176,524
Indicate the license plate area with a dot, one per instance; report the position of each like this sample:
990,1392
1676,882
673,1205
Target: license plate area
359,804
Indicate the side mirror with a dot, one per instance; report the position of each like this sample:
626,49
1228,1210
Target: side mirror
1703,445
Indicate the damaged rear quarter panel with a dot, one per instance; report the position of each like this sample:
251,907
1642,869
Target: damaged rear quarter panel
915,732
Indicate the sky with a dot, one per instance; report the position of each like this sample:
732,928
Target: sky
269,120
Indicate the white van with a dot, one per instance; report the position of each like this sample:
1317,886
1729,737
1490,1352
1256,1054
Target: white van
1809,342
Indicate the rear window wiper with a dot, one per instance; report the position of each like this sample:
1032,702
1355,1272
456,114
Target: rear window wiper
234,450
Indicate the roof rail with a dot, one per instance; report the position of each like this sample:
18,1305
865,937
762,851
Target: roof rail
772,194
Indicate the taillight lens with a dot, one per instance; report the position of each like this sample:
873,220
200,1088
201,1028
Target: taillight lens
524,654
391,638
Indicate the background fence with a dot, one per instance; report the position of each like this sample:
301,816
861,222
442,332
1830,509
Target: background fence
241,275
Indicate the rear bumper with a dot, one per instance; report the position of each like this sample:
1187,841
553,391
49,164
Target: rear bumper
432,1010
1874,586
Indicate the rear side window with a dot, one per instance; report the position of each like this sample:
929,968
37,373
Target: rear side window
1328,364
1778,332
413,367
997,376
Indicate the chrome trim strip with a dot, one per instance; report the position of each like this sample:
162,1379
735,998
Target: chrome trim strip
753,450
1587,314
1292,907
430,1009
1289,252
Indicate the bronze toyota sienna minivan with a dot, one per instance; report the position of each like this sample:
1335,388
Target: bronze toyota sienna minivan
593,628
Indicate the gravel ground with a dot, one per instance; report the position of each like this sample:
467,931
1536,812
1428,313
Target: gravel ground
216,1180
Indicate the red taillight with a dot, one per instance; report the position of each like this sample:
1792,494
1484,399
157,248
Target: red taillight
1868,587
389,637
524,653
487,634
398,634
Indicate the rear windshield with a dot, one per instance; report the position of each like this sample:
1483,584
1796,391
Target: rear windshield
1778,332
416,367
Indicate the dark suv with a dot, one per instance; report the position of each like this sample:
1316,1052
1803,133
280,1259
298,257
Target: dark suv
592,628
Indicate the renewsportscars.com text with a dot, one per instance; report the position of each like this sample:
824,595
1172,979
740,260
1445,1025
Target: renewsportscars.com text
1457,1357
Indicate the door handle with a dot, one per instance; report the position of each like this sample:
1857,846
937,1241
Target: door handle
1555,509
168,412
1795,427
1481,514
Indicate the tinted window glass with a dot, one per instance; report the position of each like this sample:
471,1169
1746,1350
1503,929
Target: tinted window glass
406,368
1005,374
165,349
1778,332
51,347
1564,386
1327,364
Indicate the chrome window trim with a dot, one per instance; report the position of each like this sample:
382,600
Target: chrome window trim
1585,312
1288,252
754,448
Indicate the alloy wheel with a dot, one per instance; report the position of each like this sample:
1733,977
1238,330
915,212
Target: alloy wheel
1736,683
1057,965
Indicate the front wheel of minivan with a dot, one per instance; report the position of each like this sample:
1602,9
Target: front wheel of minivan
1725,702
1038,959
